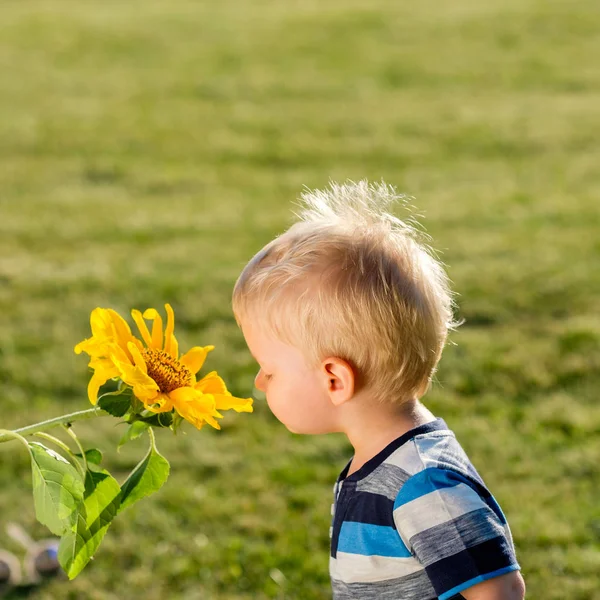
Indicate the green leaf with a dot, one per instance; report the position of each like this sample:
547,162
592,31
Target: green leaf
147,477
133,432
93,455
100,505
57,489
159,419
116,405
177,421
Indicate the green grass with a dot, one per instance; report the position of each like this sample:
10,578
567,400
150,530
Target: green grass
148,149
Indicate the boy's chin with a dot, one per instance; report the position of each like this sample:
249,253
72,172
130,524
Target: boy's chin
310,429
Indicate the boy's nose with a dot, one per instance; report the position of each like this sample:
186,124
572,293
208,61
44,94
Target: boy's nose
259,381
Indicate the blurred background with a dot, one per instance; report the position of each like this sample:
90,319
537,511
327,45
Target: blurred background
148,149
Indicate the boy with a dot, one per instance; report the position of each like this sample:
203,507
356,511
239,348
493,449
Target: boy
346,314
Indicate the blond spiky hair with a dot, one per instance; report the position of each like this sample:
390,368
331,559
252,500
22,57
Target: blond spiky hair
351,280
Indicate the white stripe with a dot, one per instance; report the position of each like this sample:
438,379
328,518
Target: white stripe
434,446
356,568
434,509
407,458
508,534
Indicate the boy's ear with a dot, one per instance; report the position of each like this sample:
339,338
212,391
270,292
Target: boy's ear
339,379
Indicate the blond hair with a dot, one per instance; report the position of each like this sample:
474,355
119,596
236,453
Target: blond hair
351,280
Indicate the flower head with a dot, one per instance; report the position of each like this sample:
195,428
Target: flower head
159,377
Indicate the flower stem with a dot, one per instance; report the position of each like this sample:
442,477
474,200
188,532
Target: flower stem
152,438
51,438
76,440
68,451
50,423
11,435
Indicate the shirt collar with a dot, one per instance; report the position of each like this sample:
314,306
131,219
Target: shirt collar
373,463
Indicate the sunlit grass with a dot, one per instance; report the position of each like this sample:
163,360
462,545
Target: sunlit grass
148,149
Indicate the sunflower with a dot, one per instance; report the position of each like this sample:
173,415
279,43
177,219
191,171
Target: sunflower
159,377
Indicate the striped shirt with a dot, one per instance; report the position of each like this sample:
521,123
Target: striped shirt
416,522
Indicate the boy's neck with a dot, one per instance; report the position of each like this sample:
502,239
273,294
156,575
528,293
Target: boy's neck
371,428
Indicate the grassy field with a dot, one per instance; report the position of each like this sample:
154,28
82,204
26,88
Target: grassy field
148,149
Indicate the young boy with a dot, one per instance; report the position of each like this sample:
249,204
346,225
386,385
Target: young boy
347,314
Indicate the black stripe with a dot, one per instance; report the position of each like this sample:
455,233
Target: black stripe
486,557
374,509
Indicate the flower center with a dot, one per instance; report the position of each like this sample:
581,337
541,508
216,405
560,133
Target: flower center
167,371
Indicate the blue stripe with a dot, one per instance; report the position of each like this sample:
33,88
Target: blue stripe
493,504
370,540
467,584
427,481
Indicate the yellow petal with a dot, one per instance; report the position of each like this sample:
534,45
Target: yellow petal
212,422
100,322
194,406
214,385
107,323
193,399
227,402
96,381
121,354
211,384
137,343
162,403
171,345
104,365
104,369
109,330
139,321
174,347
101,349
157,328
93,346
138,359
121,328
194,359
79,348
144,387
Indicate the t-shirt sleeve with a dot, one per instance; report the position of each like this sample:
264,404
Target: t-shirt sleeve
455,529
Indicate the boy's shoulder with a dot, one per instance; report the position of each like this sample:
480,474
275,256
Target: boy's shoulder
417,521
432,447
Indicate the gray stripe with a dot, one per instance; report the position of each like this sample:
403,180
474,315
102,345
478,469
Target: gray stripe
454,457
412,587
456,535
386,480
